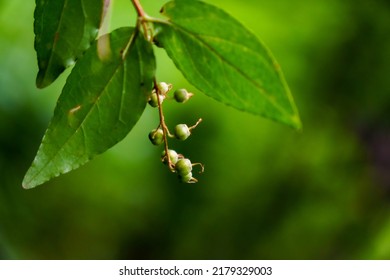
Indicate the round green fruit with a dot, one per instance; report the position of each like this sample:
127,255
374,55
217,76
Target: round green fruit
163,87
156,136
182,132
186,178
183,166
173,156
153,101
181,95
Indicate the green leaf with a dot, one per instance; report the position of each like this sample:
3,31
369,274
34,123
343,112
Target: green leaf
223,59
99,105
64,29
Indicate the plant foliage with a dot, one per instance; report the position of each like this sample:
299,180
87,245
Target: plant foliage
64,29
109,87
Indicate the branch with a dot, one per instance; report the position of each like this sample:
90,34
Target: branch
138,7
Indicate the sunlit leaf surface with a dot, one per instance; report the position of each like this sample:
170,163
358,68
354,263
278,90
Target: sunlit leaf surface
224,60
99,105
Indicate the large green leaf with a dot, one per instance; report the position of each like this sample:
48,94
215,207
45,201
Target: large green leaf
64,29
99,105
224,60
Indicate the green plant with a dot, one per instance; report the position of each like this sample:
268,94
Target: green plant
182,95
156,136
114,76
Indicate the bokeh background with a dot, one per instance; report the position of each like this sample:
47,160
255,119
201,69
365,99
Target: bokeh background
268,192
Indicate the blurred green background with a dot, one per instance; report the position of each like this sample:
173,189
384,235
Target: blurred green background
268,192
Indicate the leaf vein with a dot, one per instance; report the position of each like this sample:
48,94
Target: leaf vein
215,52
58,152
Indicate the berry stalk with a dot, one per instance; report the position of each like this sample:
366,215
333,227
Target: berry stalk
163,126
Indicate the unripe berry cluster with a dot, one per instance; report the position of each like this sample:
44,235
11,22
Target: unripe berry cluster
176,162
159,92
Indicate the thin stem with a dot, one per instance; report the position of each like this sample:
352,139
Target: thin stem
163,126
201,166
138,7
142,20
156,20
195,125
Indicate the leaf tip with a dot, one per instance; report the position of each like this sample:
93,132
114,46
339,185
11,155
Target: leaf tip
26,185
296,122
27,182
41,82
33,178
46,76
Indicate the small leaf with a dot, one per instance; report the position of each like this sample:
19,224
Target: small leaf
224,60
64,29
99,105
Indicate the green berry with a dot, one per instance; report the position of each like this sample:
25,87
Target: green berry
153,101
183,166
163,87
181,95
182,132
173,156
156,136
186,178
